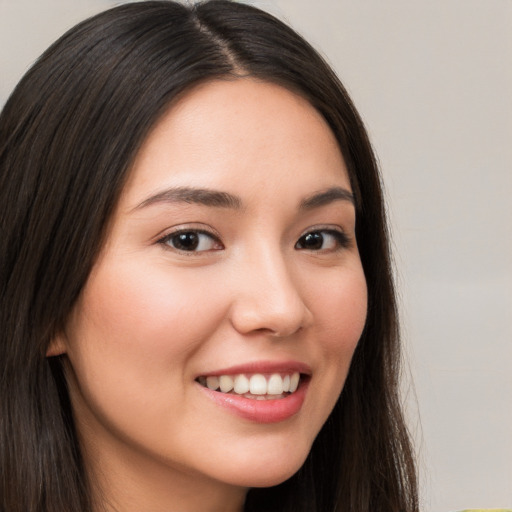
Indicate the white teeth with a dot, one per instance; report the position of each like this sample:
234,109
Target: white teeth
275,384
241,385
226,383
212,382
294,382
256,386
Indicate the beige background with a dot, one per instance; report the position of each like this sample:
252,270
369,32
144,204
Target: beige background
433,81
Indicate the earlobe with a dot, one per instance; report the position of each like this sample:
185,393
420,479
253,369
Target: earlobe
57,346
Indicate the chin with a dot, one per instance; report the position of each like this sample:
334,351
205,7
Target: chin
268,471
272,480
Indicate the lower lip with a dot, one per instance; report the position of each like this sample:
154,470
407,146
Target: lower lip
261,411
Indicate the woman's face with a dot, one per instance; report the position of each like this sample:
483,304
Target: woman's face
231,260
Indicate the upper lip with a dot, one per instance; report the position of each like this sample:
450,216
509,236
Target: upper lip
262,367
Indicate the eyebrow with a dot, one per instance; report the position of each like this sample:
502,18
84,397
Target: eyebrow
218,199
190,195
326,197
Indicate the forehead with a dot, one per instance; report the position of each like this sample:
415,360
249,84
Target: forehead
238,135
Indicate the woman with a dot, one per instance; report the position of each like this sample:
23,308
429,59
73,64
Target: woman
191,317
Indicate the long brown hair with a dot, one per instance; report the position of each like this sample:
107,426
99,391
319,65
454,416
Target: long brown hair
68,135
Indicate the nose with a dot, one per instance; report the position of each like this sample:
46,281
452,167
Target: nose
268,298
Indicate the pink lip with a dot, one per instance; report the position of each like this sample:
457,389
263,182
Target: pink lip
264,367
261,411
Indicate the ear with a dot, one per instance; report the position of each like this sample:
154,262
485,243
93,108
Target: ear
57,346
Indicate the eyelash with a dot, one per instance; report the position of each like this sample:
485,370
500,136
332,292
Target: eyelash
341,240
167,239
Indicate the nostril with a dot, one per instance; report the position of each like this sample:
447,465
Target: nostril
268,321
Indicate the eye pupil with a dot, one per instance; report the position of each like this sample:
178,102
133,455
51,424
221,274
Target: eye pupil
186,241
312,241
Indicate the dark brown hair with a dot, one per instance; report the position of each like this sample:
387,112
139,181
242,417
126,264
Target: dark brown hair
68,135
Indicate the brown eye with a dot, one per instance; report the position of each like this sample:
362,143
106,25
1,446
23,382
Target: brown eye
192,241
311,241
322,240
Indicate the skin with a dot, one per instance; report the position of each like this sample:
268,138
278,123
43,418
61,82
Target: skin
152,318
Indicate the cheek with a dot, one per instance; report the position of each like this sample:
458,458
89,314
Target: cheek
342,312
130,339
151,312
132,333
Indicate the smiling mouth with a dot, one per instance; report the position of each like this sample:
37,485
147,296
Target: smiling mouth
255,386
